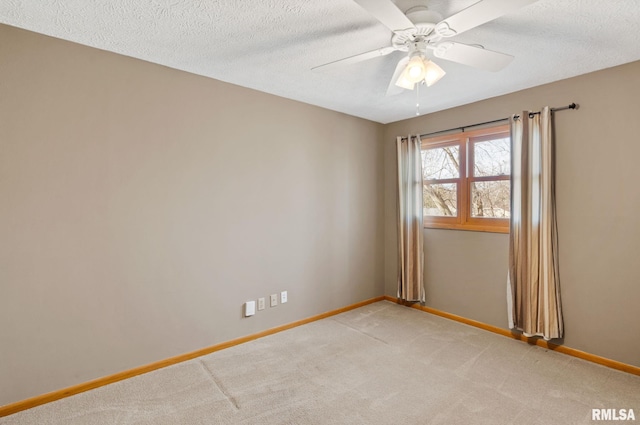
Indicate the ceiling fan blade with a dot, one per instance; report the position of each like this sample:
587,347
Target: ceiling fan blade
394,89
357,58
387,13
477,14
472,56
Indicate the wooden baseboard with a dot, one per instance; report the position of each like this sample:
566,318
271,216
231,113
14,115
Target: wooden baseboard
614,364
16,407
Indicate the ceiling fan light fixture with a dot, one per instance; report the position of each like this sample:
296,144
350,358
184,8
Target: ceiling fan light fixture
419,69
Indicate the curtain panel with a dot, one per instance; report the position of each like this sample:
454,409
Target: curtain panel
410,220
533,290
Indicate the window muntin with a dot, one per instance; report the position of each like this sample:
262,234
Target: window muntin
466,179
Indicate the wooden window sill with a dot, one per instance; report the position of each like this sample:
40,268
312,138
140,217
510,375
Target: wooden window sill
468,227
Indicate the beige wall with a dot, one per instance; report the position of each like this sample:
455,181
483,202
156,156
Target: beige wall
598,204
141,206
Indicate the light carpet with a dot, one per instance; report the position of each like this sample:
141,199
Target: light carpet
378,364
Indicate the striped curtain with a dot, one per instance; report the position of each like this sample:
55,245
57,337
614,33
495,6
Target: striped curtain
533,290
410,220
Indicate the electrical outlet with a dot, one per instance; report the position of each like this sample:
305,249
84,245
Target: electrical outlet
260,303
283,297
274,300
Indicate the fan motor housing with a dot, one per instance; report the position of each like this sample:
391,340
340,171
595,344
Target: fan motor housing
422,15
425,21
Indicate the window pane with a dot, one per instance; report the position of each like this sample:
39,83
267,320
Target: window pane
492,158
440,200
441,163
490,199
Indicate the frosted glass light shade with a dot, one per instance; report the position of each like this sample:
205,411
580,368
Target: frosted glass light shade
416,69
404,82
433,73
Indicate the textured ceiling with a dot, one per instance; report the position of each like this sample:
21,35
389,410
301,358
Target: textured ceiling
271,45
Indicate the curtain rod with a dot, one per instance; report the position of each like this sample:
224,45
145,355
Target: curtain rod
531,114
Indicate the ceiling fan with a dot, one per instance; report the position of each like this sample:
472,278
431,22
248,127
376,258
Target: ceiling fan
421,30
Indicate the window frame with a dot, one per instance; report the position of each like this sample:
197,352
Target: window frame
464,220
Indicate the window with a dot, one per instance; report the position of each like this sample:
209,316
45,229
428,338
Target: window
467,180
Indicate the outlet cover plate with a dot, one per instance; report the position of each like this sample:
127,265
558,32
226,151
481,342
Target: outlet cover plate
274,300
283,297
249,308
260,304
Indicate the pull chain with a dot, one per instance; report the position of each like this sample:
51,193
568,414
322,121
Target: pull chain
417,99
